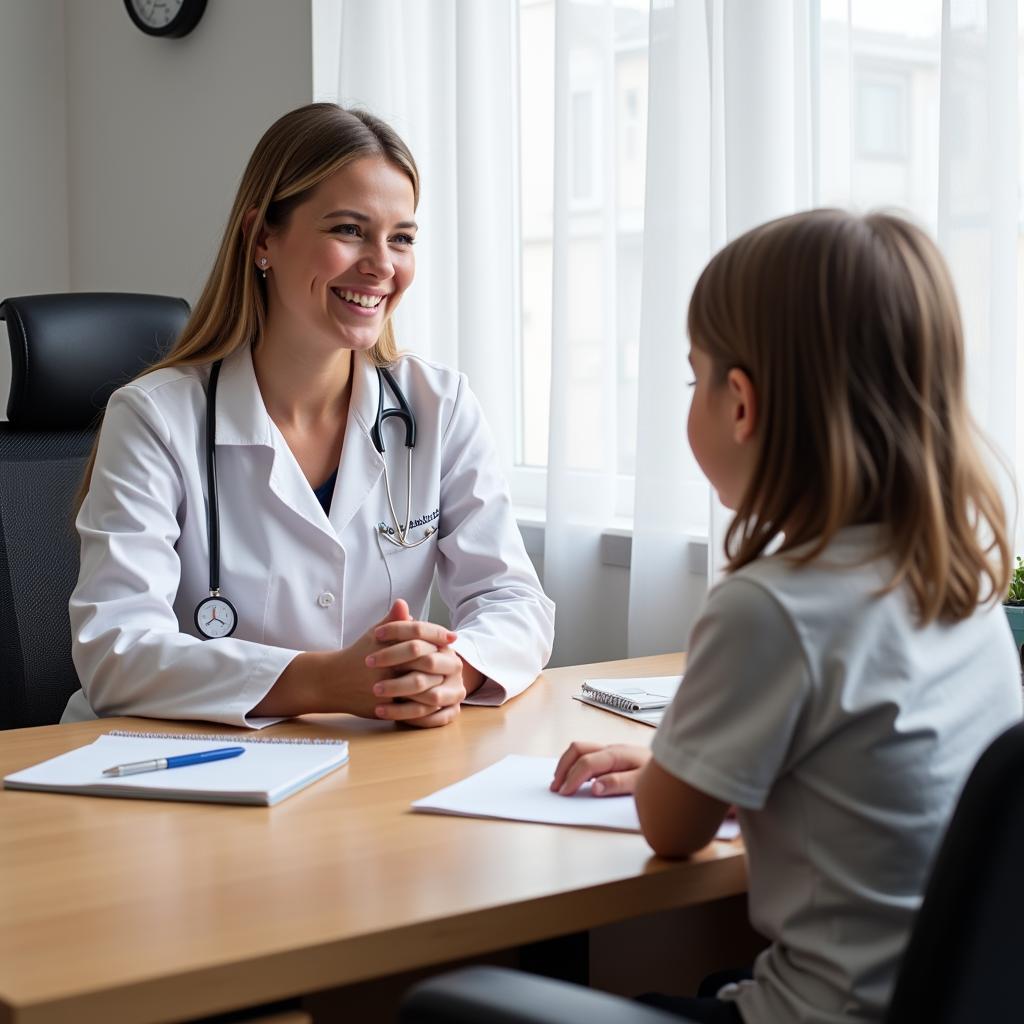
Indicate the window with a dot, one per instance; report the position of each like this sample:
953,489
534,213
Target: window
607,114
583,152
881,118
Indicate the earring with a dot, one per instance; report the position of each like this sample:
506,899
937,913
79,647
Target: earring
263,267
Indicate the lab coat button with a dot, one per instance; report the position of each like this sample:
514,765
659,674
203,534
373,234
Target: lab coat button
325,600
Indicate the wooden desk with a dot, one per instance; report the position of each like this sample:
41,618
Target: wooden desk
134,910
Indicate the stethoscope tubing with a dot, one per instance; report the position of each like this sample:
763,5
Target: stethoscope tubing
403,533
405,414
212,504
402,412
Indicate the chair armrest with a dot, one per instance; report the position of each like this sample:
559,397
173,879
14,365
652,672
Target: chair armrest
502,996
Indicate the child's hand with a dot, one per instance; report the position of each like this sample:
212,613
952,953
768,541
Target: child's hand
614,768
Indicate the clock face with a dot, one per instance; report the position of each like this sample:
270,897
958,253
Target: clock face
157,13
173,18
215,618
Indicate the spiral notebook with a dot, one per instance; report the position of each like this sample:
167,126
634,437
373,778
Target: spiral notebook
643,700
270,770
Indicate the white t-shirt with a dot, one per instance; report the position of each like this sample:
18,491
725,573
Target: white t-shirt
844,733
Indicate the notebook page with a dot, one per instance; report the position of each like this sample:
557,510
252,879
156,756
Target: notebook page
642,693
267,771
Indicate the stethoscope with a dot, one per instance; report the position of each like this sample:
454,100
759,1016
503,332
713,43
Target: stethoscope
400,534
215,616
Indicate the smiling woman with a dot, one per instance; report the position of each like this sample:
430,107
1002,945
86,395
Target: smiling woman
340,264
273,416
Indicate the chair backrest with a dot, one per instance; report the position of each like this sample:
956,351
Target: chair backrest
68,354
962,961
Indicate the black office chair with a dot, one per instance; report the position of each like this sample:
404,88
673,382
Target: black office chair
68,353
961,965
499,995
963,961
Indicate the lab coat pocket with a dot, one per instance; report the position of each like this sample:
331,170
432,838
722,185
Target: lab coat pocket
410,570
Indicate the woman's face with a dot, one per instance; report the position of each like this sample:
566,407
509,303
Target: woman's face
339,267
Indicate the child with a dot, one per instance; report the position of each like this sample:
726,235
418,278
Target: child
840,688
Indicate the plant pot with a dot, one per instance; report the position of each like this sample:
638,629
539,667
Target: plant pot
1015,613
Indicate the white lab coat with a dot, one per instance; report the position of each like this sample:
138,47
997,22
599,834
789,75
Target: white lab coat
300,580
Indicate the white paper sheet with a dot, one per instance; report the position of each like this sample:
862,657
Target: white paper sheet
516,788
265,774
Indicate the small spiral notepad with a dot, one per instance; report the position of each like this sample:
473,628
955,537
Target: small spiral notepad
644,699
271,769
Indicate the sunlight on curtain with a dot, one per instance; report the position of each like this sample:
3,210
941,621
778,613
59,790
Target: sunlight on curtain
978,209
920,114
684,223
753,111
443,73
582,159
585,416
766,62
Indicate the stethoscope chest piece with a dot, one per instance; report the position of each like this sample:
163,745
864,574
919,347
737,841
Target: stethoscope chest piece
401,540
216,617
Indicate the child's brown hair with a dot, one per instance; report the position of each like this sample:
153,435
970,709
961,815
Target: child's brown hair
850,331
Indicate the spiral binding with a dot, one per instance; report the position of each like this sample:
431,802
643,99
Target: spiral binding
613,700
229,737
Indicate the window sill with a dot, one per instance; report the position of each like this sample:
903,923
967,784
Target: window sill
616,541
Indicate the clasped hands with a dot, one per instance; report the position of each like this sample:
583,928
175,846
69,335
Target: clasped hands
412,673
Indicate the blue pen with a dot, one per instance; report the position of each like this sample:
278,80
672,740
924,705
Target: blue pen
136,767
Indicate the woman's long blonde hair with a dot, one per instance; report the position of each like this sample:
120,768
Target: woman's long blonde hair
850,331
297,152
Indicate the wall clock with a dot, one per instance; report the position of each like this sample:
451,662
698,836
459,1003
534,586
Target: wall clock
171,19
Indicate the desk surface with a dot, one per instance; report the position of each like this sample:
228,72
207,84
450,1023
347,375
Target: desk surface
137,910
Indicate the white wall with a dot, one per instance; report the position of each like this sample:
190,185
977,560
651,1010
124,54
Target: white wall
120,153
33,156
159,131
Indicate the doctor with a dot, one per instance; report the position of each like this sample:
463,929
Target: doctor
341,476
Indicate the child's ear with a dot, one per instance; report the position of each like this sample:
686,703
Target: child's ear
744,405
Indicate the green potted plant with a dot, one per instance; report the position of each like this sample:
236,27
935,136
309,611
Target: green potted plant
1014,605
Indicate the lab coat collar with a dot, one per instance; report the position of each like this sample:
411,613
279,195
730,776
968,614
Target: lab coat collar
242,419
361,465
365,393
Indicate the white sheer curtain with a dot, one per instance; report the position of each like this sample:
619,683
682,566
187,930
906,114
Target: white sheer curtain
443,73
729,143
582,476
730,93
758,110
978,211
582,159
